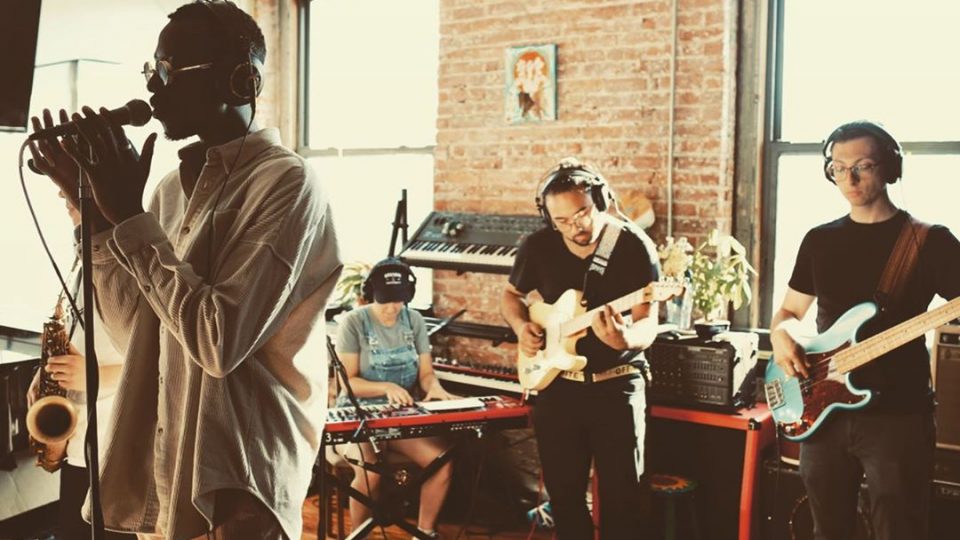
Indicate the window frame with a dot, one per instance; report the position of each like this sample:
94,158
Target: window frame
774,147
303,105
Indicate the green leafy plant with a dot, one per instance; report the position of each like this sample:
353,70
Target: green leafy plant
348,289
721,275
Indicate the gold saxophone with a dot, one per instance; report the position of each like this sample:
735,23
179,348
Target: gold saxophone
52,419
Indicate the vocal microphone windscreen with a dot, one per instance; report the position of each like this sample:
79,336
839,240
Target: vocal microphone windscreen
135,113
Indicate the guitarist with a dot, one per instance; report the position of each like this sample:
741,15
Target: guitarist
839,264
596,414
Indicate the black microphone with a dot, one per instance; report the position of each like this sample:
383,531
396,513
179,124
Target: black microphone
135,113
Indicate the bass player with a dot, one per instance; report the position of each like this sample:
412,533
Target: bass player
891,440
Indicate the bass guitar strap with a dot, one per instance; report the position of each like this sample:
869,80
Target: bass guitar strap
901,264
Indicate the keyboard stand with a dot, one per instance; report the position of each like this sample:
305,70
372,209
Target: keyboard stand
388,510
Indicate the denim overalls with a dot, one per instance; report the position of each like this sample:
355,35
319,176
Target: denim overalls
399,365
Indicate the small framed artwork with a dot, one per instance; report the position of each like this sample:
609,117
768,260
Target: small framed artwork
531,84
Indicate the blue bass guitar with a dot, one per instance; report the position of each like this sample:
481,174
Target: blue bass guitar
800,405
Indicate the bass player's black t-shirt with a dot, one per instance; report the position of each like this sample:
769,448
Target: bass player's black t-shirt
841,262
544,264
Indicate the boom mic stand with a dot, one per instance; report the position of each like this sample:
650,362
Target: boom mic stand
362,414
379,517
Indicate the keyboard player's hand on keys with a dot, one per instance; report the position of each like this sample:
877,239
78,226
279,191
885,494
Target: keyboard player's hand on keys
396,395
437,394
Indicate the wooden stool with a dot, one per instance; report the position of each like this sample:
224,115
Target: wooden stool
671,490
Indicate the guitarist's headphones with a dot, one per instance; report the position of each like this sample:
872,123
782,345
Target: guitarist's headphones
236,71
568,175
892,152
390,280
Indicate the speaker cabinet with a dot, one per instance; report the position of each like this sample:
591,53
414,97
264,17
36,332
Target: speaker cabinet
946,381
784,514
784,509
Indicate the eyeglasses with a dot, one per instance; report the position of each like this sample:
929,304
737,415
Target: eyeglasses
581,219
858,171
165,70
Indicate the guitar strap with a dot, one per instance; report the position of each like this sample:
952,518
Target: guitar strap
601,255
902,261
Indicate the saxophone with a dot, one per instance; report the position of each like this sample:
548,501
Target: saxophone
52,419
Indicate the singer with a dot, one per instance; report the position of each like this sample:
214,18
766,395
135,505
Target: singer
211,294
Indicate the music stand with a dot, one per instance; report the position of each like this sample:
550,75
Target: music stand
399,224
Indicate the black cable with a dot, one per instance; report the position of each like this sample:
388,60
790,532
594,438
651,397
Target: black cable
77,314
211,223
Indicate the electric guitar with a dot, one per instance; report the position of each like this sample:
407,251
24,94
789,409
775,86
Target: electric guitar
800,406
566,321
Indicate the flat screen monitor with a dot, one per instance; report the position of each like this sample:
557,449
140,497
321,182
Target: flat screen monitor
19,23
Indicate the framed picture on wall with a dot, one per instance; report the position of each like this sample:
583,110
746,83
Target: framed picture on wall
531,84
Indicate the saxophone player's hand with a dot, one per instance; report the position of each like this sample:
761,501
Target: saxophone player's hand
33,392
69,370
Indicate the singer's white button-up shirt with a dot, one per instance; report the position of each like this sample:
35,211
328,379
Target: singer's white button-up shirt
224,385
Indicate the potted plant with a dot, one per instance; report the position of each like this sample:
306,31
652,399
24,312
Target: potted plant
675,259
720,276
348,290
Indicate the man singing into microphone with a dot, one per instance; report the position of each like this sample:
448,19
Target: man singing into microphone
211,294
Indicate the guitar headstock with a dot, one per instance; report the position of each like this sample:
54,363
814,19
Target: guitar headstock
658,291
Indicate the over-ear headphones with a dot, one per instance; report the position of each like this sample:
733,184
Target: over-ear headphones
237,76
568,175
892,152
390,280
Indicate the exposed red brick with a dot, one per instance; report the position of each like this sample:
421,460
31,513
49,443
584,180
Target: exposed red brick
613,107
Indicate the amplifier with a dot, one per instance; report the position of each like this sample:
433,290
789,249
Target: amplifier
946,381
946,466
785,513
713,374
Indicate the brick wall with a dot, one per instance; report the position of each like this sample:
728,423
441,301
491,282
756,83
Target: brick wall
613,108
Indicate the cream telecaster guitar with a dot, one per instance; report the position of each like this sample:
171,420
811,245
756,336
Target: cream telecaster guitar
565,322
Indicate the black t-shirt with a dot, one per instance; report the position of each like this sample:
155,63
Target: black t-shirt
841,263
544,264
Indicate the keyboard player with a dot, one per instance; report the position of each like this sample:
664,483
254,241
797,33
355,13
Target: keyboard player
385,350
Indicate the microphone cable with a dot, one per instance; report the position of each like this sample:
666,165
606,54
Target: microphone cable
43,240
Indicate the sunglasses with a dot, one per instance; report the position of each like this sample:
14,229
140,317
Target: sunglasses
165,70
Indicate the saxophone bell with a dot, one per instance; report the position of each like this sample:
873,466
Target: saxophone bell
52,419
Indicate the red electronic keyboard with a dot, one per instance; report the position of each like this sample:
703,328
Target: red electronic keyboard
425,419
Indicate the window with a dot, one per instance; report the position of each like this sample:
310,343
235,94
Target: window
77,64
833,62
371,114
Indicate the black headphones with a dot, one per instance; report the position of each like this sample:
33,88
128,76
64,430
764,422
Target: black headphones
573,173
892,152
238,79
376,280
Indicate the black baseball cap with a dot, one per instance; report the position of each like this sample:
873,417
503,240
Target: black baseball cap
391,280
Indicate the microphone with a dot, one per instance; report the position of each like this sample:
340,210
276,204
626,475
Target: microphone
135,113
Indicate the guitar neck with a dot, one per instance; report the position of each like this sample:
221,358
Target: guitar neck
884,342
619,305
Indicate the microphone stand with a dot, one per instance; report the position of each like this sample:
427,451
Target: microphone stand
362,414
91,447
360,530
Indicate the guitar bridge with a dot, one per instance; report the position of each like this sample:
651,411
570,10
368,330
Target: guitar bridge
774,393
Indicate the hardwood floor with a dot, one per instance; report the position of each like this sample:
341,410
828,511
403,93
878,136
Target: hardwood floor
448,531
